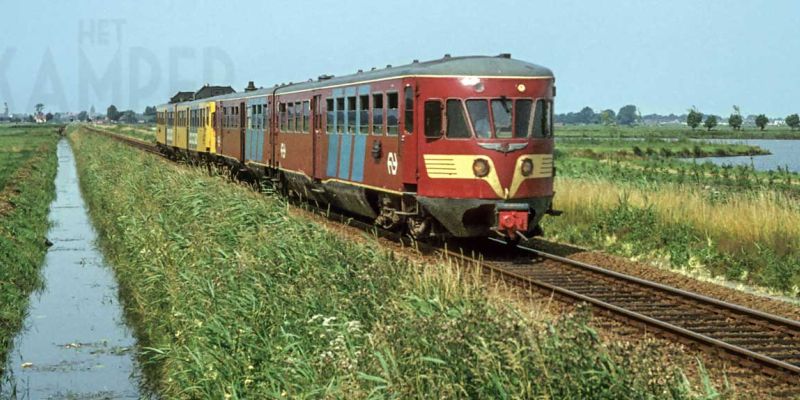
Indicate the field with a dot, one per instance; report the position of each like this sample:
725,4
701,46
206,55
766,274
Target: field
232,297
715,222
27,169
676,131
603,148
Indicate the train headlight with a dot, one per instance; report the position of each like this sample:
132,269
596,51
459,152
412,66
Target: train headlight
480,168
527,167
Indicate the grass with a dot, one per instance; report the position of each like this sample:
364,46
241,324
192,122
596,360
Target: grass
142,132
720,221
27,169
675,131
232,297
751,236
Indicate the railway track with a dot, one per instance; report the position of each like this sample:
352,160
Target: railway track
746,336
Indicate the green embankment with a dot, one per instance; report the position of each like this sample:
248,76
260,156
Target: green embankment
232,297
27,169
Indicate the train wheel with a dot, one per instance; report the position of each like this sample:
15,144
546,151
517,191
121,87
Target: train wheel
418,228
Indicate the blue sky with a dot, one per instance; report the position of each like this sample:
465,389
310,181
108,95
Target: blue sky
662,56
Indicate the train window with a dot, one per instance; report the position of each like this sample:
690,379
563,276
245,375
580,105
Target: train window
306,114
522,117
502,109
340,115
298,116
282,112
457,127
377,113
391,114
351,114
294,116
329,115
433,119
266,114
543,119
363,114
409,107
479,114
290,112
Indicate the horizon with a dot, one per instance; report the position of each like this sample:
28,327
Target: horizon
655,56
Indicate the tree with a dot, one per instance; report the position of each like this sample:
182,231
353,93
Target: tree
793,121
585,116
607,117
112,113
627,115
761,121
129,117
48,117
711,122
735,120
83,116
149,111
694,118
39,108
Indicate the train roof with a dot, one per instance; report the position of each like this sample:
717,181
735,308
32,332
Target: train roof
494,66
486,66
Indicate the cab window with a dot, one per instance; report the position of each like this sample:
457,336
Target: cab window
433,119
502,109
457,127
479,115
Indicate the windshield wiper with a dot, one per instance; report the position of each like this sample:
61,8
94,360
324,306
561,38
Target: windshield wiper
504,102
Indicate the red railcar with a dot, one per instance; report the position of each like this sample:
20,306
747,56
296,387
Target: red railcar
458,146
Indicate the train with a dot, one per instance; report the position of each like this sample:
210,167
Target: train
452,147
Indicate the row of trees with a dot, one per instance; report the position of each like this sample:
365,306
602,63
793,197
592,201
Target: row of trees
694,118
627,115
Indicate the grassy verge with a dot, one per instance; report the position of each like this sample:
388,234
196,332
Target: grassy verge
141,132
27,169
752,236
234,298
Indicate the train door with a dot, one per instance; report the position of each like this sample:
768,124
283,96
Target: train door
317,137
408,143
242,128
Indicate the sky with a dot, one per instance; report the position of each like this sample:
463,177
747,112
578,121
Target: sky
664,57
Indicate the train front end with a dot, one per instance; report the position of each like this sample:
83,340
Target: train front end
486,157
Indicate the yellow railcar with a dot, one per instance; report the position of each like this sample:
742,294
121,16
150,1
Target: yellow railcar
161,125
210,136
181,139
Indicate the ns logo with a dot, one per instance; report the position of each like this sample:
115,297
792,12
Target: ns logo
391,163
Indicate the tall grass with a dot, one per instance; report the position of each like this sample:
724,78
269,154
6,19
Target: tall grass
27,169
232,297
749,236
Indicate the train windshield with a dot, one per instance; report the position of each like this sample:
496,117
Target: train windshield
504,118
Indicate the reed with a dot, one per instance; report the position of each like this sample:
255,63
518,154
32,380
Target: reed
27,169
231,296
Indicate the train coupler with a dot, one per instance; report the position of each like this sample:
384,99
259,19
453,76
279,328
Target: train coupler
512,219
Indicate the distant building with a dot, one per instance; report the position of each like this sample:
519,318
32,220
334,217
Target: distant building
181,97
211,91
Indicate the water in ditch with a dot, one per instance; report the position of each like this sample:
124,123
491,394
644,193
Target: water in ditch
74,343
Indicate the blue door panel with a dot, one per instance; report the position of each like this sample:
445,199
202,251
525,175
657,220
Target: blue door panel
333,154
344,160
359,149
